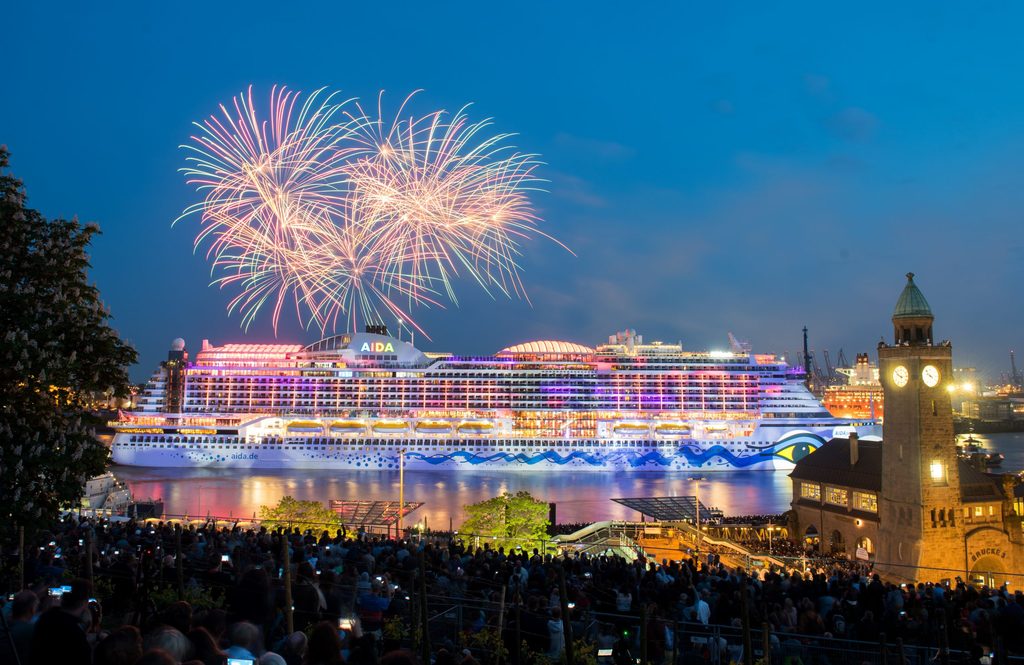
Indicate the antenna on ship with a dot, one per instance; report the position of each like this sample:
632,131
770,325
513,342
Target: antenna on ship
807,362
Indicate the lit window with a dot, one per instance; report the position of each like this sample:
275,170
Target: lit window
938,471
979,511
810,491
866,502
836,496
991,510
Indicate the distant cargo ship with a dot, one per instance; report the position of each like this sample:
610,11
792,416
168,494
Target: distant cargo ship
362,401
861,397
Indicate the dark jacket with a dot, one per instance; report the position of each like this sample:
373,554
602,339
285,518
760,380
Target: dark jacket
58,638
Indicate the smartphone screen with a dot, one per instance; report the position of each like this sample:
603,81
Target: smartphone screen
241,661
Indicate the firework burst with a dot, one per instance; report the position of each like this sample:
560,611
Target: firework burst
446,199
351,215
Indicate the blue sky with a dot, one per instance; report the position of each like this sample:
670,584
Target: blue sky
748,167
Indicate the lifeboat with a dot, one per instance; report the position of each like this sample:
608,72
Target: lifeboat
305,426
434,426
631,428
716,428
390,426
475,427
672,429
346,426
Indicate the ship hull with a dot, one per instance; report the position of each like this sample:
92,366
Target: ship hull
470,453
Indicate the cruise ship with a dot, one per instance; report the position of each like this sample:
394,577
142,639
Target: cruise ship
371,401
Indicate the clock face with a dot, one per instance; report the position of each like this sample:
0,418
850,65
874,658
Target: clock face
930,375
900,376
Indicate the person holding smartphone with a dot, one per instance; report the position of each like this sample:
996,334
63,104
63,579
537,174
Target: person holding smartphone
60,633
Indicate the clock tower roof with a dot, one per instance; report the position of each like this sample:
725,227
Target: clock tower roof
912,304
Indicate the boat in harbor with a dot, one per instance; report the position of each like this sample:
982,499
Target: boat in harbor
371,401
106,495
973,451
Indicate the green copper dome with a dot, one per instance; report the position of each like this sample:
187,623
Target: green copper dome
911,303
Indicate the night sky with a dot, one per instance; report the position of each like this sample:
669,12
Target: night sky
752,168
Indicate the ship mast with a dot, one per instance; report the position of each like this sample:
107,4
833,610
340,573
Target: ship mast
807,362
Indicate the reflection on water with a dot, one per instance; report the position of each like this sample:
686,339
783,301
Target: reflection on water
581,496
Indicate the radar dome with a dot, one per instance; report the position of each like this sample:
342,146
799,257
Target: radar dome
178,344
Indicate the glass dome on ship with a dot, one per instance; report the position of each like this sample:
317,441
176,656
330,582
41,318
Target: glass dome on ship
360,400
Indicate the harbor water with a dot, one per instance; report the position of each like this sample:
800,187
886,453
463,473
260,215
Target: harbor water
580,496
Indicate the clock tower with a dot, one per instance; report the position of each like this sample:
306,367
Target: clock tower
921,534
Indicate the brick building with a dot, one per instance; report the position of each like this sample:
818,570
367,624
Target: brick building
908,503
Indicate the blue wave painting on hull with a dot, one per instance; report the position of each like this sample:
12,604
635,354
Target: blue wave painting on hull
791,448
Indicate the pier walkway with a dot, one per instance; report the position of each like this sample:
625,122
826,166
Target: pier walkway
661,540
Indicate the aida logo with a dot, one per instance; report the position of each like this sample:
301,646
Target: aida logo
377,347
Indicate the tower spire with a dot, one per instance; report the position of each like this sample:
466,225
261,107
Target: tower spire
912,317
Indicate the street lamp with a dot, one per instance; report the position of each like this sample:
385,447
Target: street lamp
696,495
401,490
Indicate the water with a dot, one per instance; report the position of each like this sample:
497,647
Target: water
581,496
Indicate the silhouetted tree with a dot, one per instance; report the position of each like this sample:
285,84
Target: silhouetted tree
57,351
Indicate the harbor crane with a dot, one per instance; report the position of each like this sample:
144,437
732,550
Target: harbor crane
829,370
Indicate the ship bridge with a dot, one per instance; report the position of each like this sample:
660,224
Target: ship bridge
369,346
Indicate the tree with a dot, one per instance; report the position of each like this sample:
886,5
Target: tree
290,512
57,349
508,520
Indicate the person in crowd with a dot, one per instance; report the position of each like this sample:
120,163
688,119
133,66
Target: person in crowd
245,641
122,646
60,633
324,645
21,624
157,657
204,647
170,640
556,635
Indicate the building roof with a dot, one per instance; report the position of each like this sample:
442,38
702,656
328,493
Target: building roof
547,346
911,303
671,508
977,486
831,464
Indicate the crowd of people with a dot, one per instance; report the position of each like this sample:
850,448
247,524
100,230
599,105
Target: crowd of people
353,599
